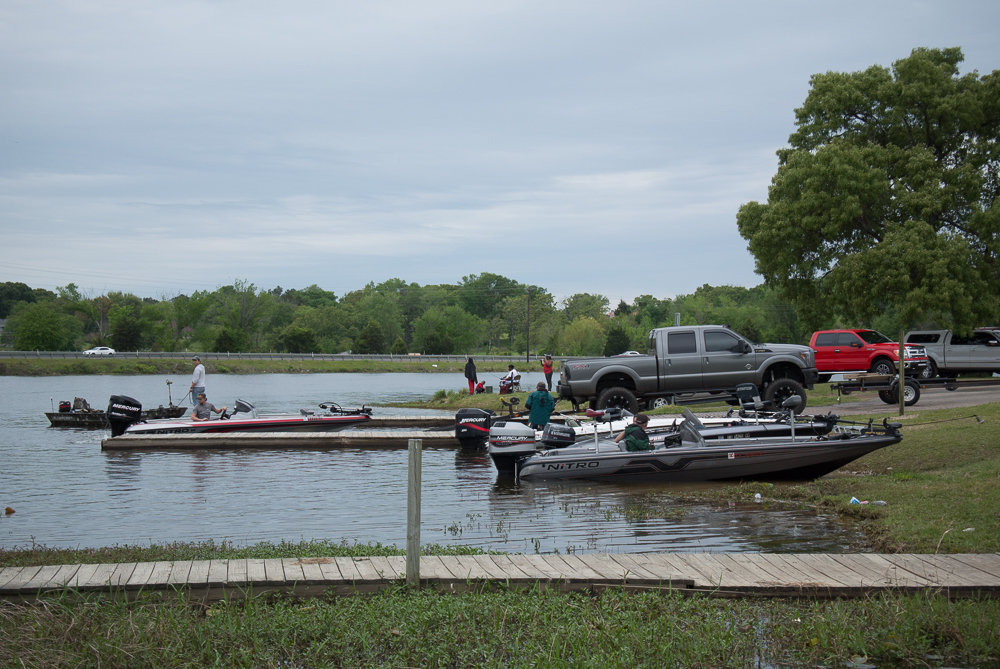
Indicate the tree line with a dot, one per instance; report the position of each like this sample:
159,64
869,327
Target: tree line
482,313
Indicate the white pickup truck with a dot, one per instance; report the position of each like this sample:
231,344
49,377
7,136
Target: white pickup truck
951,354
689,359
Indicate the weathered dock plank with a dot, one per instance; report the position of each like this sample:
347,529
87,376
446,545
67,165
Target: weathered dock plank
724,574
305,440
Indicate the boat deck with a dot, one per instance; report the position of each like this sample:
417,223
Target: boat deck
715,574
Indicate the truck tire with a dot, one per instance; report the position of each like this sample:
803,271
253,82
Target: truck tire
618,397
930,371
780,390
883,366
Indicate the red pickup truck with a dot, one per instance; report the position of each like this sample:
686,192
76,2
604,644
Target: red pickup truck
839,351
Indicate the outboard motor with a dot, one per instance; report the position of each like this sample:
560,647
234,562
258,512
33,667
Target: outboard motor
122,412
558,436
510,442
472,427
65,406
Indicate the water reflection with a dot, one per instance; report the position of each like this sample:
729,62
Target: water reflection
69,493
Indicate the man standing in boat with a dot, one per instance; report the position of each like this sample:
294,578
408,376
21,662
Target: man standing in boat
541,405
197,380
203,410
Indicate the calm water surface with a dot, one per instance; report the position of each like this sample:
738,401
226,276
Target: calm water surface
67,492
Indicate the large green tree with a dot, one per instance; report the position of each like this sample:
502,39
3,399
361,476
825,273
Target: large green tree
887,196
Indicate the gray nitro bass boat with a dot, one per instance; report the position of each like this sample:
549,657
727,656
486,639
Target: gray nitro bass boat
689,457
510,442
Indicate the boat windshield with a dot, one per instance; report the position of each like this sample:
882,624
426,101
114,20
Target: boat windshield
873,337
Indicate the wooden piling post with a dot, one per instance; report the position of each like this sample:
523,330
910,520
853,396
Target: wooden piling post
414,447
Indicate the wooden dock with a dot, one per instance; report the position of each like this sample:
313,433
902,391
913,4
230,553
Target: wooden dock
715,574
301,440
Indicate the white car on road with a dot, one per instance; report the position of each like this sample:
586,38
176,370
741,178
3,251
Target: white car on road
100,350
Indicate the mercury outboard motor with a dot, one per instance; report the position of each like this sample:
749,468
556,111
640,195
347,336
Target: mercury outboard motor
472,427
558,436
510,442
122,412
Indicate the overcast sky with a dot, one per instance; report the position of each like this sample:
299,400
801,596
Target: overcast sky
603,147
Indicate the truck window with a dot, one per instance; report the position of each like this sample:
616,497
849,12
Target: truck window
984,339
962,341
719,340
923,339
826,339
872,337
681,342
846,338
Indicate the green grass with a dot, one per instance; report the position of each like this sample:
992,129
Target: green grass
497,627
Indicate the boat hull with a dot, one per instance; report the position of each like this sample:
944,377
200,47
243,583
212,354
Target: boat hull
99,419
721,460
264,424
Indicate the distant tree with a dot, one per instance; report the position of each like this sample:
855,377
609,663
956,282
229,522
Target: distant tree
438,344
585,304
584,336
243,310
399,347
623,309
618,340
483,295
42,327
12,292
126,331
370,340
299,340
888,196
229,341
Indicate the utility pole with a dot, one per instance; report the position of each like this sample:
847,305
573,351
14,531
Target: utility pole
527,333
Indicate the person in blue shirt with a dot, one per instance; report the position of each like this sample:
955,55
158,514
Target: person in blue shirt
541,405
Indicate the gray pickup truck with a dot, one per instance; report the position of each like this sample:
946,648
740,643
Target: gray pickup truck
950,354
689,359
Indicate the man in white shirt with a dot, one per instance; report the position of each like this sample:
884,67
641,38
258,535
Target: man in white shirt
507,379
197,380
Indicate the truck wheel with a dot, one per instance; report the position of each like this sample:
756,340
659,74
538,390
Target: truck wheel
618,397
930,371
780,390
883,366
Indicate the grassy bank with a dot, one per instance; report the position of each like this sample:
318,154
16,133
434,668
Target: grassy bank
126,366
497,627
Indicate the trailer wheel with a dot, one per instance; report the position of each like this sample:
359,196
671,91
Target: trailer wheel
887,396
618,397
911,392
780,390
930,371
658,403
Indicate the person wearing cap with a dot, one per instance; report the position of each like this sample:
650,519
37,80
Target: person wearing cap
547,368
197,379
540,404
203,409
635,435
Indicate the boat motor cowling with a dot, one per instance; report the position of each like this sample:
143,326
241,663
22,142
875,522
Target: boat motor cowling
122,412
472,427
558,436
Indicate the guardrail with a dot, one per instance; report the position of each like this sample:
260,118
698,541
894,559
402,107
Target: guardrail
168,355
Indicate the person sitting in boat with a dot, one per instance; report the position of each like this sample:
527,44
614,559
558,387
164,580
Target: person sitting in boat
507,380
541,404
203,410
635,435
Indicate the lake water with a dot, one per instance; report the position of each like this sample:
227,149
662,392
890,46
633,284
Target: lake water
67,492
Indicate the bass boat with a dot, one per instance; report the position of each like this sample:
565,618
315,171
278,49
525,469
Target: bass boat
124,419
686,455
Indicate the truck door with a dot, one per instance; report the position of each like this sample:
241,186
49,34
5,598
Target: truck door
985,352
958,350
824,346
681,368
849,353
724,364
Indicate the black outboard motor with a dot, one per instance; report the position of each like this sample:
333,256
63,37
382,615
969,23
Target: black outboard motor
122,412
472,427
558,436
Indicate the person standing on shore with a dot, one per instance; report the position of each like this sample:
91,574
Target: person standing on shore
547,368
470,374
197,380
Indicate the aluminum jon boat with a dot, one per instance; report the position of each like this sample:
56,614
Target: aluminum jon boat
689,457
243,419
